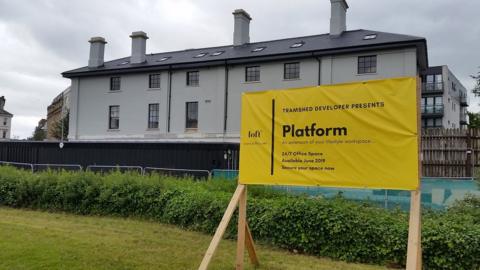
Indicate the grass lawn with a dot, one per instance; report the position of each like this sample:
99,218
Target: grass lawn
40,240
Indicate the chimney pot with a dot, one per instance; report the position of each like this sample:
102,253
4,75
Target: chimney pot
241,31
338,17
97,52
139,47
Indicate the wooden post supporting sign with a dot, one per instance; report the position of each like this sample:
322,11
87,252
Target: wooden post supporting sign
414,248
244,237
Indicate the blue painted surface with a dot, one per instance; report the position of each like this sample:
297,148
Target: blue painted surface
437,193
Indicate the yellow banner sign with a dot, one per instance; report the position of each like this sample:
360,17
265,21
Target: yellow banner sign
359,135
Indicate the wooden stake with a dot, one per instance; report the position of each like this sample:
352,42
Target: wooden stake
222,227
251,247
414,249
242,227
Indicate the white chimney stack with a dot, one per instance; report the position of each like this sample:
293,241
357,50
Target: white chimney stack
139,47
338,17
97,52
241,31
2,102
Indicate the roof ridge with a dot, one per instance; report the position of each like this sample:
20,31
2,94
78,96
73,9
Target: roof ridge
348,39
250,43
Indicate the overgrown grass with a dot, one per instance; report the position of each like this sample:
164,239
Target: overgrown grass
39,240
334,228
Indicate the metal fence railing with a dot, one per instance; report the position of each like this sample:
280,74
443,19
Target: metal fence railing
179,172
56,167
19,165
112,168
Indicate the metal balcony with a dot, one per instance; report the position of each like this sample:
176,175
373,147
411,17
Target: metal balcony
432,110
463,100
432,88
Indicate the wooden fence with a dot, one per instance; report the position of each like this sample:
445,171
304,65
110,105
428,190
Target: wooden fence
450,152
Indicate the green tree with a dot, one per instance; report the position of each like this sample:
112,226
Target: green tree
473,120
476,88
61,127
40,133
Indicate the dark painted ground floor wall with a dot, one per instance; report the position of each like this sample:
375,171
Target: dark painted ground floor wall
201,156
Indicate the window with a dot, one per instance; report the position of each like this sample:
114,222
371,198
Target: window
217,53
5,121
430,78
114,117
153,115
163,59
154,81
430,122
252,74
434,82
297,45
192,78
4,135
191,115
258,49
200,55
291,71
114,83
367,64
438,122
371,36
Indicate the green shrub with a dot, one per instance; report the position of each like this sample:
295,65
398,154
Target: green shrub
335,228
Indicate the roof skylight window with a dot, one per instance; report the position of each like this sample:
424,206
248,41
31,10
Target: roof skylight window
163,59
371,36
217,53
297,45
124,63
258,49
200,55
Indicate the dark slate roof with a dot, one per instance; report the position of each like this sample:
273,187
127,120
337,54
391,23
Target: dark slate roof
317,45
3,112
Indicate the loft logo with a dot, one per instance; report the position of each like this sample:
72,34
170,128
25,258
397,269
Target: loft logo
254,134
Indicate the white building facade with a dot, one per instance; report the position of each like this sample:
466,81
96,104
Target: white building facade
195,95
5,121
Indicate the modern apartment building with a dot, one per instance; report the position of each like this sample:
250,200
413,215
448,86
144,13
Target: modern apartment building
444,99
5,121
195,94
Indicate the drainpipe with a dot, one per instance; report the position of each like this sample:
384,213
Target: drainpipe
225,107
169,104
319,70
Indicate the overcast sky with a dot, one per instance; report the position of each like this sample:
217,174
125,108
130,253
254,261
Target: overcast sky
42,38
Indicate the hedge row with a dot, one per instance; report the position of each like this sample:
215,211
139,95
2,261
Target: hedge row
333,228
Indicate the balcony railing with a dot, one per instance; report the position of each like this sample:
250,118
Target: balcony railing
463,100
432,87
432,110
